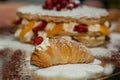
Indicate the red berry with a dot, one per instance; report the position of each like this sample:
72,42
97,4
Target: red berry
49,4
70,6
76,5
68,1
50,7
17,22
64,4
58,7
45,6
55,2
59,1
40,27
38,40
81,28
71,1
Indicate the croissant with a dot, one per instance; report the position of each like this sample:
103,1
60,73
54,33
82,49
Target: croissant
61,51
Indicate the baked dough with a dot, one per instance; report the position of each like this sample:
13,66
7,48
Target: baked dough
61,51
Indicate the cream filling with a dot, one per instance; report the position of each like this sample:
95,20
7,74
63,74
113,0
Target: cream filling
28,36
68,27
24,22
50,26
43,46
17,33
93,38
107,24
94,28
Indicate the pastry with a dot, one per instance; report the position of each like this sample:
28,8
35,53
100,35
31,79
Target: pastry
15,62
17,66
60,51
63,18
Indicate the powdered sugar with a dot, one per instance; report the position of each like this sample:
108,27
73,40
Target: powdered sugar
12,43
67,71
71,71
83,11
109,49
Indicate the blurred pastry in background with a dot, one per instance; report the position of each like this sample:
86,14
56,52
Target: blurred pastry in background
114,17
85,24
114,14
117,28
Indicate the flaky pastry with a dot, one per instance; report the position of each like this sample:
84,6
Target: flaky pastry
61,51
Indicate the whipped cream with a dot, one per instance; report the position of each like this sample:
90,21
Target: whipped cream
43,46
28,36
83,11
107,24
50,26
94,28
68,27
17,33
24,22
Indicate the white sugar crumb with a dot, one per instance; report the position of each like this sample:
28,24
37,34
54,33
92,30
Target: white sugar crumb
100,52
70,42
108,69
71,71
83,11
111,47
10,42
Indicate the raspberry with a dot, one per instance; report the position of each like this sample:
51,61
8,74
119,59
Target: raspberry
81,28
38,40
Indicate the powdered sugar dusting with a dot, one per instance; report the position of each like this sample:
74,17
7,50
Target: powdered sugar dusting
12,43
111,47
71,71
79,12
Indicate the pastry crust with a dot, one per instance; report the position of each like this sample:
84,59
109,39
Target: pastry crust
64,24
61,19
91,41
61,51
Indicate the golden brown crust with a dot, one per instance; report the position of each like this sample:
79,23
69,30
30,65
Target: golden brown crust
90,42
61,51
62,19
